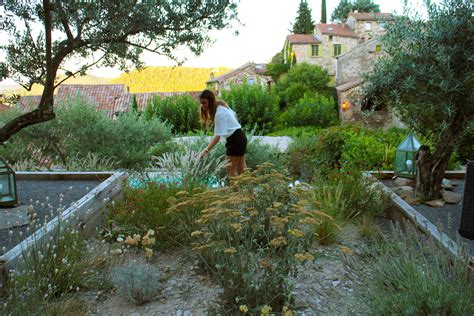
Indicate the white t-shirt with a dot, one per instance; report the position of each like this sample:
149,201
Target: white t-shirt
225,122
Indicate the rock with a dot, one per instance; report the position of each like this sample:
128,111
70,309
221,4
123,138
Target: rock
335,283
13,217
448,185
435,203
399,181
451,197
404,191
412,200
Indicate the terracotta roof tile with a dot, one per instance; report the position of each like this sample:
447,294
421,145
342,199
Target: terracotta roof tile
370,16
342,30
110,99
302,39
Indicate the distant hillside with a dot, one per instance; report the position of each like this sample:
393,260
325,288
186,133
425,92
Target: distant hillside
168,79
149,79
87,79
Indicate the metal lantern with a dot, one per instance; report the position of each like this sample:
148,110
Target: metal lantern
8,195
405,165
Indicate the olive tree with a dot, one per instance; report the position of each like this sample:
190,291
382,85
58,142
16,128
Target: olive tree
45,34
427,77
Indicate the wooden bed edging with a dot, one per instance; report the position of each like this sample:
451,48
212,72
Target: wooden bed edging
85,214
60,175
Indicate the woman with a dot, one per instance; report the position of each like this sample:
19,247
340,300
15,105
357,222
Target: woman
225,125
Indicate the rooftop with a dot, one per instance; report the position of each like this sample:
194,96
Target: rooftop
342,30
302,39
370,16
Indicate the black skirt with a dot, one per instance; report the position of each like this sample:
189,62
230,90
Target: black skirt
236,144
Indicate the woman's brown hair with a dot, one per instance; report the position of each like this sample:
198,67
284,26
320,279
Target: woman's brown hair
207,117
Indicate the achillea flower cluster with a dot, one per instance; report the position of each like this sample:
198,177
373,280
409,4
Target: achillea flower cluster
133,241
304,257
243,308
296,232
266,310
278,242
237,227
230,250
148,239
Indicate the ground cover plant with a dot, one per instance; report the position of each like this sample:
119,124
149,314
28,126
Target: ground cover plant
410,274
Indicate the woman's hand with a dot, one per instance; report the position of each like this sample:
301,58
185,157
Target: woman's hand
203,153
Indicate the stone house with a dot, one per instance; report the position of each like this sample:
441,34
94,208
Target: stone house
251,73
332,40
352,104
367,25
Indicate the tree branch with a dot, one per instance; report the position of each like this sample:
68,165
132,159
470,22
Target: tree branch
64,22
82,69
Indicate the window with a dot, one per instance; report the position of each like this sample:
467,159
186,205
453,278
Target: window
368,26
314,50
337,49
382,25
378,48
330,37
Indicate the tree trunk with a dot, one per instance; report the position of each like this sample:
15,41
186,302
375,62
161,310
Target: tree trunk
44,112
430,168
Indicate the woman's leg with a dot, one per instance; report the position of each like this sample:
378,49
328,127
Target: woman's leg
232,166
242,165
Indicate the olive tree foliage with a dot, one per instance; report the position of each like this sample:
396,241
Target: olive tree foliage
428,79
45,34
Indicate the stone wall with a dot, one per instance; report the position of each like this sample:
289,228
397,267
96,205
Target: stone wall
241,77
358,61
326,58
359,28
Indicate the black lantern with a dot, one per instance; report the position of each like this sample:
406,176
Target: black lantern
8,195
405,157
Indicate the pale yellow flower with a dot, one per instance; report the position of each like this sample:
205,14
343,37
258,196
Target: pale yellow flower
266,310
296,232
279,241
181,193
148,252
230,250
346,250
304,256
148,241
237,227
196,233
116,252
131,241
151,232
286,311
243,308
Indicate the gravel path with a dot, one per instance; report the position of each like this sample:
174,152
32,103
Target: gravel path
447,218
45,198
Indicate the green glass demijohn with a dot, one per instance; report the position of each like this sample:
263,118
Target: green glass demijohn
8,193
405,165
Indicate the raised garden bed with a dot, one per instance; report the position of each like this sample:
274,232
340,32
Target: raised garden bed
77,199
441,222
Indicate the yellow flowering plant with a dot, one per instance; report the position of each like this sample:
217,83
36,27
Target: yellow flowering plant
249,235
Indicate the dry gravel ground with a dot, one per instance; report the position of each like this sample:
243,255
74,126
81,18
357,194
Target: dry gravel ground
322,287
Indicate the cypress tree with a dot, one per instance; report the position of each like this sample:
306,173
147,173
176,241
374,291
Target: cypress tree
303,23
324,18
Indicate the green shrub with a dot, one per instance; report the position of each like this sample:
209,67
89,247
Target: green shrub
304,79
295,131
310,110
145,208
408,274
79,130
181,112
252,235
256,106
139,282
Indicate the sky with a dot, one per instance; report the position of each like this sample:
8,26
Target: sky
266,24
